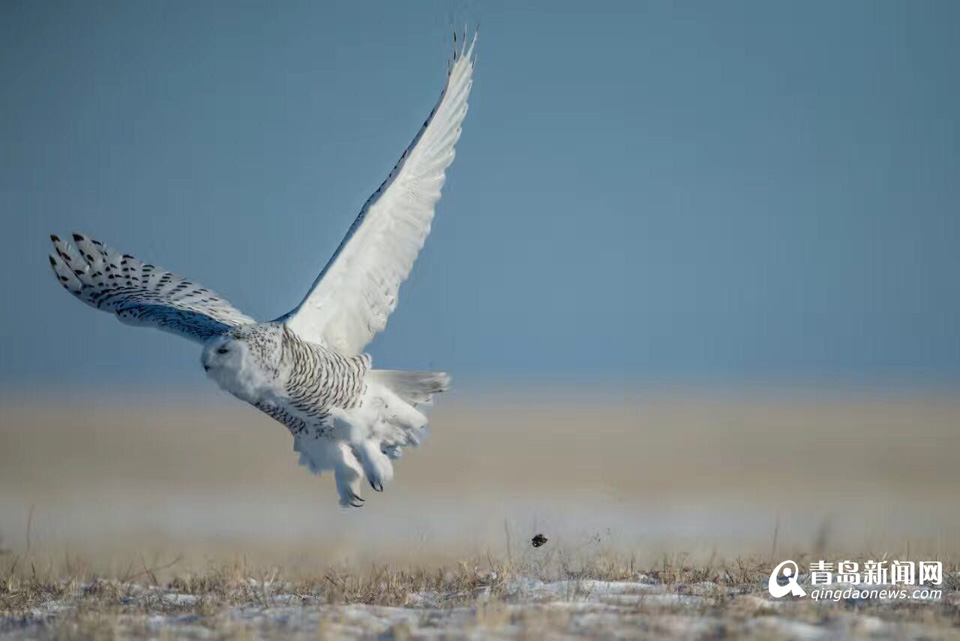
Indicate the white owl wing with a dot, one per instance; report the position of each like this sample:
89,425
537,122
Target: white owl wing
141,294
351,298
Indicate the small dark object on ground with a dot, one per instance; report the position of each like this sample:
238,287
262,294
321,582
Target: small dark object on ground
538,540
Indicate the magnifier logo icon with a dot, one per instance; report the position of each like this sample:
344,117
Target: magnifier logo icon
790,571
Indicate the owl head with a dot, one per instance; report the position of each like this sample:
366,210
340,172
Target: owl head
244,361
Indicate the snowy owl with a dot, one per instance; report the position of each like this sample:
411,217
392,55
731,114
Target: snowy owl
307,369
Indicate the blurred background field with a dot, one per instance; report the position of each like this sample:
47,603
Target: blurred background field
644,473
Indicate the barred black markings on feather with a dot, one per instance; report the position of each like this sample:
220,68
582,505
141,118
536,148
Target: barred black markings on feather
295,424
140,293
320,378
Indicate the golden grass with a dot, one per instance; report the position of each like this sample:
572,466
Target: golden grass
120,606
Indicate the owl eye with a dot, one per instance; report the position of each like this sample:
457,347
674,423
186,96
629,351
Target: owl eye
222,350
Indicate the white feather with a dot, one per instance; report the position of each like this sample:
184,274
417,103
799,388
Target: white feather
357,290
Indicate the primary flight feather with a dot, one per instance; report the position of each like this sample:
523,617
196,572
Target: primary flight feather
307,369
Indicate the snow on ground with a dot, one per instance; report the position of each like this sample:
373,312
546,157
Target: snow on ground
521,608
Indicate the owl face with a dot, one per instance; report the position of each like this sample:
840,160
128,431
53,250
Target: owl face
223,354
224,360
242,362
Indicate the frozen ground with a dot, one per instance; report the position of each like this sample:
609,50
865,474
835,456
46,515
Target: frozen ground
480,606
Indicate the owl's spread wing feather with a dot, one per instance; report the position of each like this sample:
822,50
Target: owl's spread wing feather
140,294
350,301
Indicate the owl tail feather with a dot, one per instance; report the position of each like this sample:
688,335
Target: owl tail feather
412,387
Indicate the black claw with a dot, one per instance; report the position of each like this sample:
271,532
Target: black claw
378,486
77,237
54,238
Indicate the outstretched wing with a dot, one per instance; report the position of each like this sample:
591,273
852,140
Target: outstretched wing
351,299
140,294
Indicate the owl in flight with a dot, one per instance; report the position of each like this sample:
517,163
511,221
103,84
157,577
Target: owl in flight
307,369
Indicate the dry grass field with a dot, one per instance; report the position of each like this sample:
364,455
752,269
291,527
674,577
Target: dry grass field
665,512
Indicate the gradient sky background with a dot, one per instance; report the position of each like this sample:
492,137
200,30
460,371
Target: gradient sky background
694,191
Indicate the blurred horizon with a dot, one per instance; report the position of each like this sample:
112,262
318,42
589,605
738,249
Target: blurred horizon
672,474
646,194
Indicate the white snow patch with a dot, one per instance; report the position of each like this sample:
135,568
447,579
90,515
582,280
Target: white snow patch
183,600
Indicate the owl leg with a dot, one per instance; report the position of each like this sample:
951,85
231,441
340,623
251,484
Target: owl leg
348,474
375,463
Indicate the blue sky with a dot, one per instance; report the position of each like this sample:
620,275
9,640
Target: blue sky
689,191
